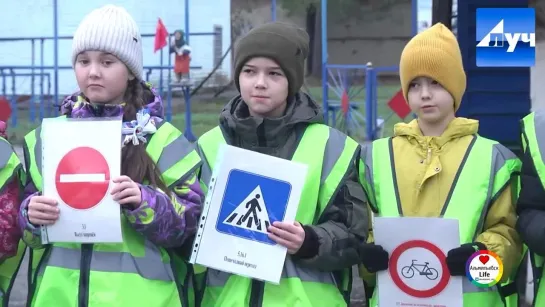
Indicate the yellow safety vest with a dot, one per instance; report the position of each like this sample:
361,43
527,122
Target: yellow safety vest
486,169
159,277
329,155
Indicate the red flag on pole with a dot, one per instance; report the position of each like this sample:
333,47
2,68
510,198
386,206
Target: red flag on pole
161,36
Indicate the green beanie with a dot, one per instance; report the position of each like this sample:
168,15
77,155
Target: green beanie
284,43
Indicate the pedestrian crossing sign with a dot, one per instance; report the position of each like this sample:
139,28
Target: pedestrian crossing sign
250,204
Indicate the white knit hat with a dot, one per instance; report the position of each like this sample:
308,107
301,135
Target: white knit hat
110,29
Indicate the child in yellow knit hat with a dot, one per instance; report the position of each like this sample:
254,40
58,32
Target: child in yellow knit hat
442,168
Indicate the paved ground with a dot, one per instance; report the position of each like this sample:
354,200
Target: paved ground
18,293
18,296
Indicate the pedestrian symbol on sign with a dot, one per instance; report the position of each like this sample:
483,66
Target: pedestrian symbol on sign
251,213
250,204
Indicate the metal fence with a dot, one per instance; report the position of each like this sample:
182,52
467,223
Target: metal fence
33,89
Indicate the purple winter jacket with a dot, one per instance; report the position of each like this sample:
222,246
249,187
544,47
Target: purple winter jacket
173,220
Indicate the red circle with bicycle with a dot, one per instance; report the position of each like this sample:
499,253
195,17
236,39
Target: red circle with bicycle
409,271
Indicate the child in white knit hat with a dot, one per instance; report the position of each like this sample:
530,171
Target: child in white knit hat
160,198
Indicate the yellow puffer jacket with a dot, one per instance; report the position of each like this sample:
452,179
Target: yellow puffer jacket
432,163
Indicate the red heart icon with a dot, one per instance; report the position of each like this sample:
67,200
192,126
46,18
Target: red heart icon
484,259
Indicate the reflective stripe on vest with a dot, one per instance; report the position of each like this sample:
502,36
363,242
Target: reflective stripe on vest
135,261
533,140
9,162
329,154
33,141
175,157
150,266
217,278
486,169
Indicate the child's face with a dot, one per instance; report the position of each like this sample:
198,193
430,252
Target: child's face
177,35
102,77
264,87
430,101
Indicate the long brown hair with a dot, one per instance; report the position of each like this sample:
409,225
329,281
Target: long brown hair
135,161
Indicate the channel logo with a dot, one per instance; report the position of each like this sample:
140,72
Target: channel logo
506,37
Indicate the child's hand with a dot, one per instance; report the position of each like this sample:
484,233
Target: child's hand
42,210
126,192
289,235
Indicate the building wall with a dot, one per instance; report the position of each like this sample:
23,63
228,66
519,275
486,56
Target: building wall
377,36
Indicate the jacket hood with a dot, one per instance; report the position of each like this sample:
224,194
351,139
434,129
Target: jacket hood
236,121
457,128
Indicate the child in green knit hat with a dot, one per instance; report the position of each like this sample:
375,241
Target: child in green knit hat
272,116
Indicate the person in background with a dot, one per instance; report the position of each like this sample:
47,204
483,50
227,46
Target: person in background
12,177
182,56
531,202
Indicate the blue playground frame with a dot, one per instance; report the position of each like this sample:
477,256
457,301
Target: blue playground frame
339,73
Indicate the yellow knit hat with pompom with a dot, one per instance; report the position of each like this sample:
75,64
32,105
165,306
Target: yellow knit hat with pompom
434,53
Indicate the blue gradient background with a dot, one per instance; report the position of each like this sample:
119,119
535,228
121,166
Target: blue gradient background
516,20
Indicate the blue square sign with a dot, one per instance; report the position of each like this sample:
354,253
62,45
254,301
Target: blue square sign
250,204
506,37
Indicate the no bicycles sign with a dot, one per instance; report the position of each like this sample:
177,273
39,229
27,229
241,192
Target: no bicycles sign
417,272
419,269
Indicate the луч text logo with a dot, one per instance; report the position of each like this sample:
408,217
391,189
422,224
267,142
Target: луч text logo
506,37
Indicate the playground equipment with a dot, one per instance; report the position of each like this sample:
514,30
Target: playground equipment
273,10
498,97
336,79
343,112
48,76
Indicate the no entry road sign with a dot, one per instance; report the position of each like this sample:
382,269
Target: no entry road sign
82,178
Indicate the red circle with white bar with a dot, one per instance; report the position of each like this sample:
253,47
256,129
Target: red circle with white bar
82,178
